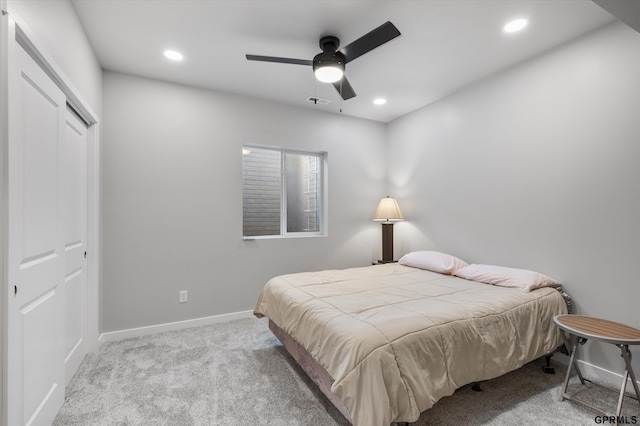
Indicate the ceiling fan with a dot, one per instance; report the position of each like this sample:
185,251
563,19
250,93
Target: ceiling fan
329,66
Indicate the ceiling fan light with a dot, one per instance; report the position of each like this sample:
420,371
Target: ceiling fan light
329,66
329,74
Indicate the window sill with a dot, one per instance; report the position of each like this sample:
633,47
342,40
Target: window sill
283,237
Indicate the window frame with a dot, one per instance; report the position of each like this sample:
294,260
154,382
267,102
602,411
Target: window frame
322,197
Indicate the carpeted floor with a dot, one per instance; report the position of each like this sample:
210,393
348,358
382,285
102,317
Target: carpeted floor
237,373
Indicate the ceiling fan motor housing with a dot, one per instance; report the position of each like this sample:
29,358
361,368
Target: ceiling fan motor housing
334,59
329,55
329,43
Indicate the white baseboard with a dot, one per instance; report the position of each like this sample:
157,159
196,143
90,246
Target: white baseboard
598,374
179,325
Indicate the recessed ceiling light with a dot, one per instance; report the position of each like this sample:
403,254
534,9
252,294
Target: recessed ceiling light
515,25
173,55
380,101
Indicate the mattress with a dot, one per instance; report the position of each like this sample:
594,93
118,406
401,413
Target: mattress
396,339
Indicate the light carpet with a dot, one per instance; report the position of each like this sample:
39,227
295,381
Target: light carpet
237,373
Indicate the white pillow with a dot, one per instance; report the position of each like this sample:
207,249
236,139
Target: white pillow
523,279
433,261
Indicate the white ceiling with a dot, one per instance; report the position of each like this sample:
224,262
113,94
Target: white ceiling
445,44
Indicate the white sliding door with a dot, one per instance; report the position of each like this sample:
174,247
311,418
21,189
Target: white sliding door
36,253
49,161
74,219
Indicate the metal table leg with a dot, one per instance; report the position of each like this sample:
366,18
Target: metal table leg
626,355
625,377
572,363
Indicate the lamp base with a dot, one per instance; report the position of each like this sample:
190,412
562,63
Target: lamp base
387,242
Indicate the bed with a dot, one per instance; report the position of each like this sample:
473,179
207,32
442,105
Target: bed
386,342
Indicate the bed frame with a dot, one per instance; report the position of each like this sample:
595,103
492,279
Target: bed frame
315,371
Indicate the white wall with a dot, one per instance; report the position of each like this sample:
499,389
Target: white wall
57,27
172,206
536,167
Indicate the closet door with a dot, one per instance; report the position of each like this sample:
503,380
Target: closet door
36,253
74,217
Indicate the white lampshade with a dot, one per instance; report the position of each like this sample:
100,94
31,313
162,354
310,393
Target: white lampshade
388,210
329,74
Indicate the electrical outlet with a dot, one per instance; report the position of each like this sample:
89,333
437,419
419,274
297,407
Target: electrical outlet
184,296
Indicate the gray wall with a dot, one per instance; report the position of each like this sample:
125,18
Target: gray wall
172,202
537,168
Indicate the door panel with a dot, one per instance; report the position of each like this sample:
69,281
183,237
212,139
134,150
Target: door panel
36,249
40,352
74,219
40,171
73,175
74,333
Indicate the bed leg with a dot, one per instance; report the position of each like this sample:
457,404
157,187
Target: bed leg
548,369
476,387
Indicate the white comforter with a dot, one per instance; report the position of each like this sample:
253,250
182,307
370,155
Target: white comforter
397,339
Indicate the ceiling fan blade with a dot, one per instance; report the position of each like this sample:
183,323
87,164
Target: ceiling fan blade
279,60
344,88
370,41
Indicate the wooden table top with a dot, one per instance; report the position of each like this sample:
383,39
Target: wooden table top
599,329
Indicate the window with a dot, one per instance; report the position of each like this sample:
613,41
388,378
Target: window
282,192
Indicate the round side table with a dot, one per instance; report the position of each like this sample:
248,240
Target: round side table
583,328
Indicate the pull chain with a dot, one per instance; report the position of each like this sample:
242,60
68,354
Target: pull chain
315,93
